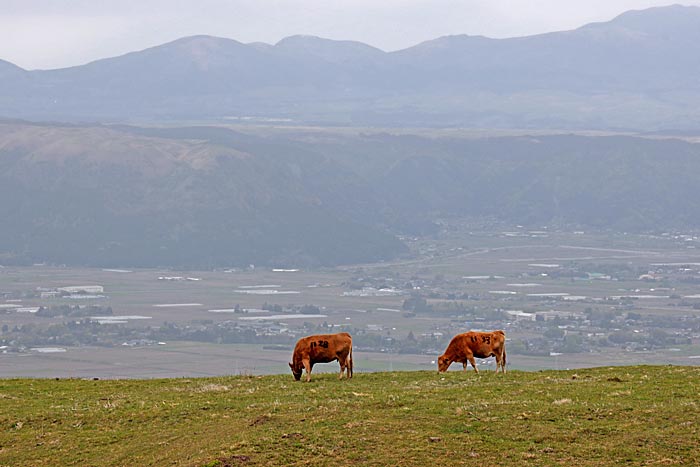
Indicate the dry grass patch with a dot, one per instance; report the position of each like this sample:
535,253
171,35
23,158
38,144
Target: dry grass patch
529,419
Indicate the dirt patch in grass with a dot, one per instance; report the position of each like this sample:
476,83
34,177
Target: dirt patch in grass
230,461
260,420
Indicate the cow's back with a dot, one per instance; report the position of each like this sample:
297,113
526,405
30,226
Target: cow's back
478,344
468,345
323,348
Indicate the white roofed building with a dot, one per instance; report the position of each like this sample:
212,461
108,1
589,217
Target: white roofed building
89,289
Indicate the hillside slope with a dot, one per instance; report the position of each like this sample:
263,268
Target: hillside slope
207,197
100,196
593,417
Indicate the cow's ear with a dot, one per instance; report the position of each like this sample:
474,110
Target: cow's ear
290,366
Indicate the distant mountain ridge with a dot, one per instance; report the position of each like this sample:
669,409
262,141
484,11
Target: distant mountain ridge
637,71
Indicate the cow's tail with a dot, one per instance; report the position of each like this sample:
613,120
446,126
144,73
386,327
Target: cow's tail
348,362
503,352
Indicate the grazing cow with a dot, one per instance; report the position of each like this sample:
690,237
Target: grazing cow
322,348
464,347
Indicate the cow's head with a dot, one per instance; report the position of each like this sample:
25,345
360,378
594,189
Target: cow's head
296,372
443,364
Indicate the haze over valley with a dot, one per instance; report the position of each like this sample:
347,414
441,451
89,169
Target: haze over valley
216,200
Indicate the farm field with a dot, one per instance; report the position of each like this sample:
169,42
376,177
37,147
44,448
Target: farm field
641,415
648,285
188,358
196,359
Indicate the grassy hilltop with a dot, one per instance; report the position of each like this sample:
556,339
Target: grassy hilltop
604,416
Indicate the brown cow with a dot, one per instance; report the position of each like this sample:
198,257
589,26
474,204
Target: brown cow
464,347
322,348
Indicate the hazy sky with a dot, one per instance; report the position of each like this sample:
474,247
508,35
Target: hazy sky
58,33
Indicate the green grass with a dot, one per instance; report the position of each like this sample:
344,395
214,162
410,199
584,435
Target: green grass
604,416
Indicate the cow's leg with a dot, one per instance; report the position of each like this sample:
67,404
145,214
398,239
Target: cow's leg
348,364
307,365
464,366
341,360
500,360
473,362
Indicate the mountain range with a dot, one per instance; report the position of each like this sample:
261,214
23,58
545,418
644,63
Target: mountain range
637,71
126,196
185,187
108,196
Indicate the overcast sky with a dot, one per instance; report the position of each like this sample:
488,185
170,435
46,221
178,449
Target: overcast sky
58,33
